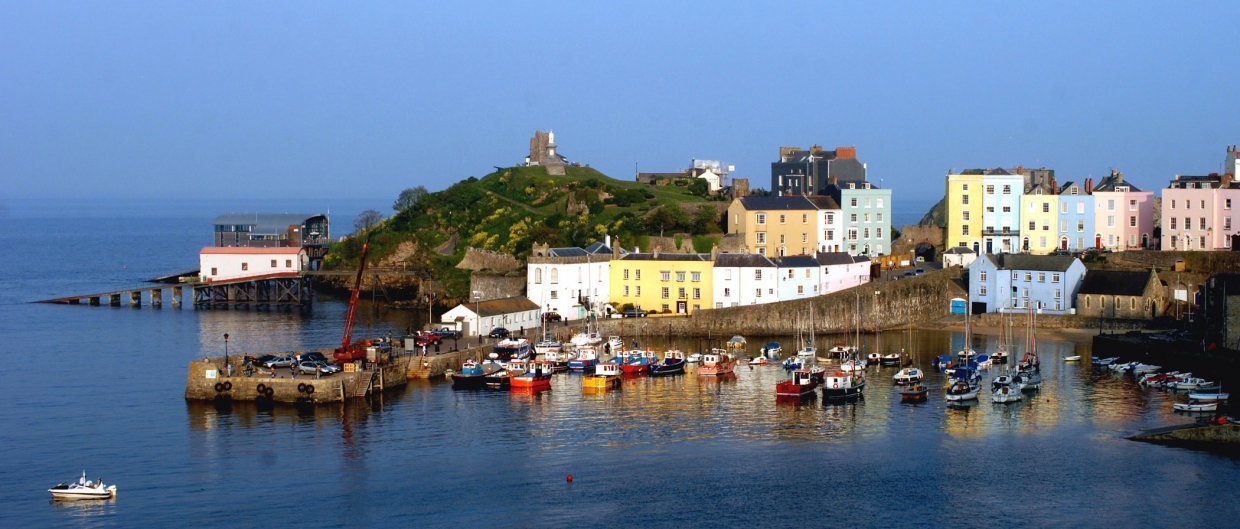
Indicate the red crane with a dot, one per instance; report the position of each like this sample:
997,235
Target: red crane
347,351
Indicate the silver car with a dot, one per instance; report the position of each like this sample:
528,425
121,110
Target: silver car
311,367
280,361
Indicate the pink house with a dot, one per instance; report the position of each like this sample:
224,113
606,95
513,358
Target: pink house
1123,215
1199,212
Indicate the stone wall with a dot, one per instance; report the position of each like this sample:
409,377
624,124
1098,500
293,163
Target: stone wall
307,389
477,259
911,236
496,286
907,301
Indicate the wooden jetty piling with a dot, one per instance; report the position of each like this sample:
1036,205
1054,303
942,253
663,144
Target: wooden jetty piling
275,291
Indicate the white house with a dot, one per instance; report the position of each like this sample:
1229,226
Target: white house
515,314
798,277
1006,282
216,263
961,256
570,282
839,270
744,279
830,220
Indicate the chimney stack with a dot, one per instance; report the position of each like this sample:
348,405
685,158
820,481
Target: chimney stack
1089,186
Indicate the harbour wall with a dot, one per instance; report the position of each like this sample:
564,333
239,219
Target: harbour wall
908,301
207,380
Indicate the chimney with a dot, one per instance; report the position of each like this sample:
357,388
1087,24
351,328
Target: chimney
714,252
615,250
845,153
657,247
1225,181
1119,176
1089,186
607,241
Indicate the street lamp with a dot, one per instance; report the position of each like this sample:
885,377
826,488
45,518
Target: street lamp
477,294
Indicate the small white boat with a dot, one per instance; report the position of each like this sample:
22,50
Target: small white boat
695,358
614,345
1143,369
1203,406
839,350
772,350
891,359
960,391
1075,358
1188,383
759,361
808,351
873,359
850,366
1208,397
908,375
84,489
1006,393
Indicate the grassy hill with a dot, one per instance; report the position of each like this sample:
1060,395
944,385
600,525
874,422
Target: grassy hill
510,209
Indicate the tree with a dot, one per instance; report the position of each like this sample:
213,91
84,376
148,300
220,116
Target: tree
667,217
409,198
704,217
366,220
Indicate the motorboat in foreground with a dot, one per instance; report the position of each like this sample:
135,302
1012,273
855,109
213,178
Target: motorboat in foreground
673,364
606,377
1196,407
908,375
83,489
718,363
914,393
800,387
961,390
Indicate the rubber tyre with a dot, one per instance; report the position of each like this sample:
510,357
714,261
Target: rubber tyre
228,386
219,387
262,389
271,392
309,389
301,388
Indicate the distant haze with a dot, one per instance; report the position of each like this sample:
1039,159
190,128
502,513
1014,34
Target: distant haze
289,103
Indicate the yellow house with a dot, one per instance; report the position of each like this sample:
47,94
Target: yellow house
776,226
677,283
1039,216
964,210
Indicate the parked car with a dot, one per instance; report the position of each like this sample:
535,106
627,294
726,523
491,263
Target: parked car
919,271
280,361
635,313
311,367
908,273
499,332
1061,251
446,332
427,338
312,356
551,316
262,360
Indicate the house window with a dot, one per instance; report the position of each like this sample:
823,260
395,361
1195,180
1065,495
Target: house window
852,234
638,291
762,252
727,292
761,218
680,277
866,217
245,266
981,291
288,263
697,276
665,275
964,199
215,271
273,263
1188,223
964,187
1032,225
964,216
1172,204
555,276
853,202
626,291
1080,226
990,190
1227,223
867,233
1046,207
1063,207
981,276
1173,223
781,239
1110,221
1080,207
1007,209
1087,302
554,294
1015,276
804,218
1202,225
1203,242
1132,205
878,203
1029,276
697,293
666,308
680,293
757,275
626,275
1111,205
1227,203
806,273
637,274
1132,303
1058,306
1203,204
830,234
761,236
1057,293
1007,189
1041,277
783,219
1054,278
879,217
790,272
964,230
804,237
852,217
665,292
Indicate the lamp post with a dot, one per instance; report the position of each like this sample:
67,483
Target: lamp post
227,364
477,294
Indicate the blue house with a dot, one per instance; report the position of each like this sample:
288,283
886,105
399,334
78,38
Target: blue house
798,277
1014,282
1076,218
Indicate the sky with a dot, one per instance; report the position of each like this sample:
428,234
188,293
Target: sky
292,103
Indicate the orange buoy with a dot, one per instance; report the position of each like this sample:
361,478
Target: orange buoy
570,478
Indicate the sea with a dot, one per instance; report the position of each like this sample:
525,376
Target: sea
101,390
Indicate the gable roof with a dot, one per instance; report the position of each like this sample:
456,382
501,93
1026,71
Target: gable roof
597,248
1115,282
502,306
743,260
834,258
566,252
1108,184
823,202
796,261
954,250
776,203
1045,263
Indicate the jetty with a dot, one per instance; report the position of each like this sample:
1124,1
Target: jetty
1202,435
211,379
262,292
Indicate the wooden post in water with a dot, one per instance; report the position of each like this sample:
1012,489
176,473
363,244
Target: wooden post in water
157,297
177,292
135,298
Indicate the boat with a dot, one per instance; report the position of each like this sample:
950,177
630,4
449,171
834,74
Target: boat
639,362
873,358
843,386
982,361
606,377
502,378
717,363
586,338
807,351
536,378
547,344
1006,393
798,388
614,345
559,360
1144,369
736,344
695,358
1195,407
759,361
1188,383
907,376
891,359
1007,387
961,390
473,374
967,353
1000,355
673,364
83,489
509,348
793,362
1104,362
942,362
1030,381
839,350
584,359
914,393
772,350
1212,396
817,372
1030,363
850,366
1073,358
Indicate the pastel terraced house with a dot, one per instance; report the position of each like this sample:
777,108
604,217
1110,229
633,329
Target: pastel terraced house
678,283
1076,216
1040,220
1199,212
1123,214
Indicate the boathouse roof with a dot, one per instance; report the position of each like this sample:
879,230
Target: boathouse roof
1115,282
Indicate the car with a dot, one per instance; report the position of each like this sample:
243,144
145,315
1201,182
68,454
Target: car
551,316
427,338
262,360
446,332
499,332
311,367
280,361
1061,251
919,271
312,356
908,273
635,313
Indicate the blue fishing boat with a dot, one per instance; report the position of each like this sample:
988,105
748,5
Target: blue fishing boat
585,360
673,364
473,374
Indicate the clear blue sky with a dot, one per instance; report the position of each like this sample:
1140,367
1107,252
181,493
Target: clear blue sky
346,100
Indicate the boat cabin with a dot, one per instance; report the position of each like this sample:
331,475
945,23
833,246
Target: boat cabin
607,370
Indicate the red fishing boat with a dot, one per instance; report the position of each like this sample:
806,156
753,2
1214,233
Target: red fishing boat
536,378
798,388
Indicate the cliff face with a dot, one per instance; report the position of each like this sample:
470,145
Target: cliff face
937,216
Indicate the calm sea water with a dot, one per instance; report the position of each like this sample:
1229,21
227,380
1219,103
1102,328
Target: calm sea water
101,389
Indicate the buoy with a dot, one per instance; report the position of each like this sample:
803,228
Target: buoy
569,478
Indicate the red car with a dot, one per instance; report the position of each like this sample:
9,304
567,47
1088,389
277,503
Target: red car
427,338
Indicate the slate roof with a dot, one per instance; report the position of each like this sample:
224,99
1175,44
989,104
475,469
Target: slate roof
959,250
503,306
998,171
1115,282
744,260
566,252
777,203
1109,183
834,258
824,202
597,248
796,261
264,223
666,257
1045,263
